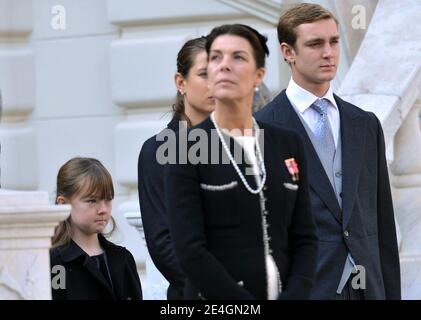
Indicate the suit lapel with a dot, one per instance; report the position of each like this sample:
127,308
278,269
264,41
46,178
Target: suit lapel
353,133
285,115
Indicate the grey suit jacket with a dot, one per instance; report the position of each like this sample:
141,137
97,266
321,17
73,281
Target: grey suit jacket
365,225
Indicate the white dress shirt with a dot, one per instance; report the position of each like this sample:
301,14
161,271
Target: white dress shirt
302,99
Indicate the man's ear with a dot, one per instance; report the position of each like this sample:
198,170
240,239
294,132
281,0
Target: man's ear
61,200
288,52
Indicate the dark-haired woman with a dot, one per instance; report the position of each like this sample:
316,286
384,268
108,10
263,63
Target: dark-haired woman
242,228
193,105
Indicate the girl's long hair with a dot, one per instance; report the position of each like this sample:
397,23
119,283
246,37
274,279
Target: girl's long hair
85,175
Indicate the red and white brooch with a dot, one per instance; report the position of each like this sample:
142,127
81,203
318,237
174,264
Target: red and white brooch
292,168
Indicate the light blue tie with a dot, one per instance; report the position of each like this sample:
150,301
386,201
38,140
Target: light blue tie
323,131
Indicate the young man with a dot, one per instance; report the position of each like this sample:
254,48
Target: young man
349,185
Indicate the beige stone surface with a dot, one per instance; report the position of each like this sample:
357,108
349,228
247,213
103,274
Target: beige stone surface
27,224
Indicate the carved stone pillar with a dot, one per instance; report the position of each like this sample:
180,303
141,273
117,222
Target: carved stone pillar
406,168
155,286
387,81
17,85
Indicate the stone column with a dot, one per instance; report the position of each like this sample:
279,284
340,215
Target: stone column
386,79
406,169
17,85
27,224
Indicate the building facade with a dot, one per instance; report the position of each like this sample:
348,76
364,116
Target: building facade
95,78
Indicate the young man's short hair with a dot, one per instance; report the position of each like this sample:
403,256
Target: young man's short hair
297,15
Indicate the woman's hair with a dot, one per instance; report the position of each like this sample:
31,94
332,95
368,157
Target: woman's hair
256,40
185,61
78,175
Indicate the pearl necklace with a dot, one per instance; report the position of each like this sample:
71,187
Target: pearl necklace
234,163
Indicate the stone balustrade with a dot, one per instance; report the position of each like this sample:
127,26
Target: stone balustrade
27,224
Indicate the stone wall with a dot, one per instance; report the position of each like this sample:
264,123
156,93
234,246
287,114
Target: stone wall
94,78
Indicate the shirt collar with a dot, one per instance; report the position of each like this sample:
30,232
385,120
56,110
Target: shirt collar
303,99
72,251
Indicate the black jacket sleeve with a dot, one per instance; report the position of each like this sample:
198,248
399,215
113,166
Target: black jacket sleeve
154,216
388,245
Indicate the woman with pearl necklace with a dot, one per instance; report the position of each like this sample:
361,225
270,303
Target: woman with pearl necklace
241,221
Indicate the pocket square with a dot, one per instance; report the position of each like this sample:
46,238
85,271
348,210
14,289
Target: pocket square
291,186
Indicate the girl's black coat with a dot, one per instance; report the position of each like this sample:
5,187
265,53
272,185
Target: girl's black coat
83,280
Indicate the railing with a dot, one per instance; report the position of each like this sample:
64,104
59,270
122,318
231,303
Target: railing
155,286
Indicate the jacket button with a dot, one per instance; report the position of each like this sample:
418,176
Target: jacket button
265,188
346,233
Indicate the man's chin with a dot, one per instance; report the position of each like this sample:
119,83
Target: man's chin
327,78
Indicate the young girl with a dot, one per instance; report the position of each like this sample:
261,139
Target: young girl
94,267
